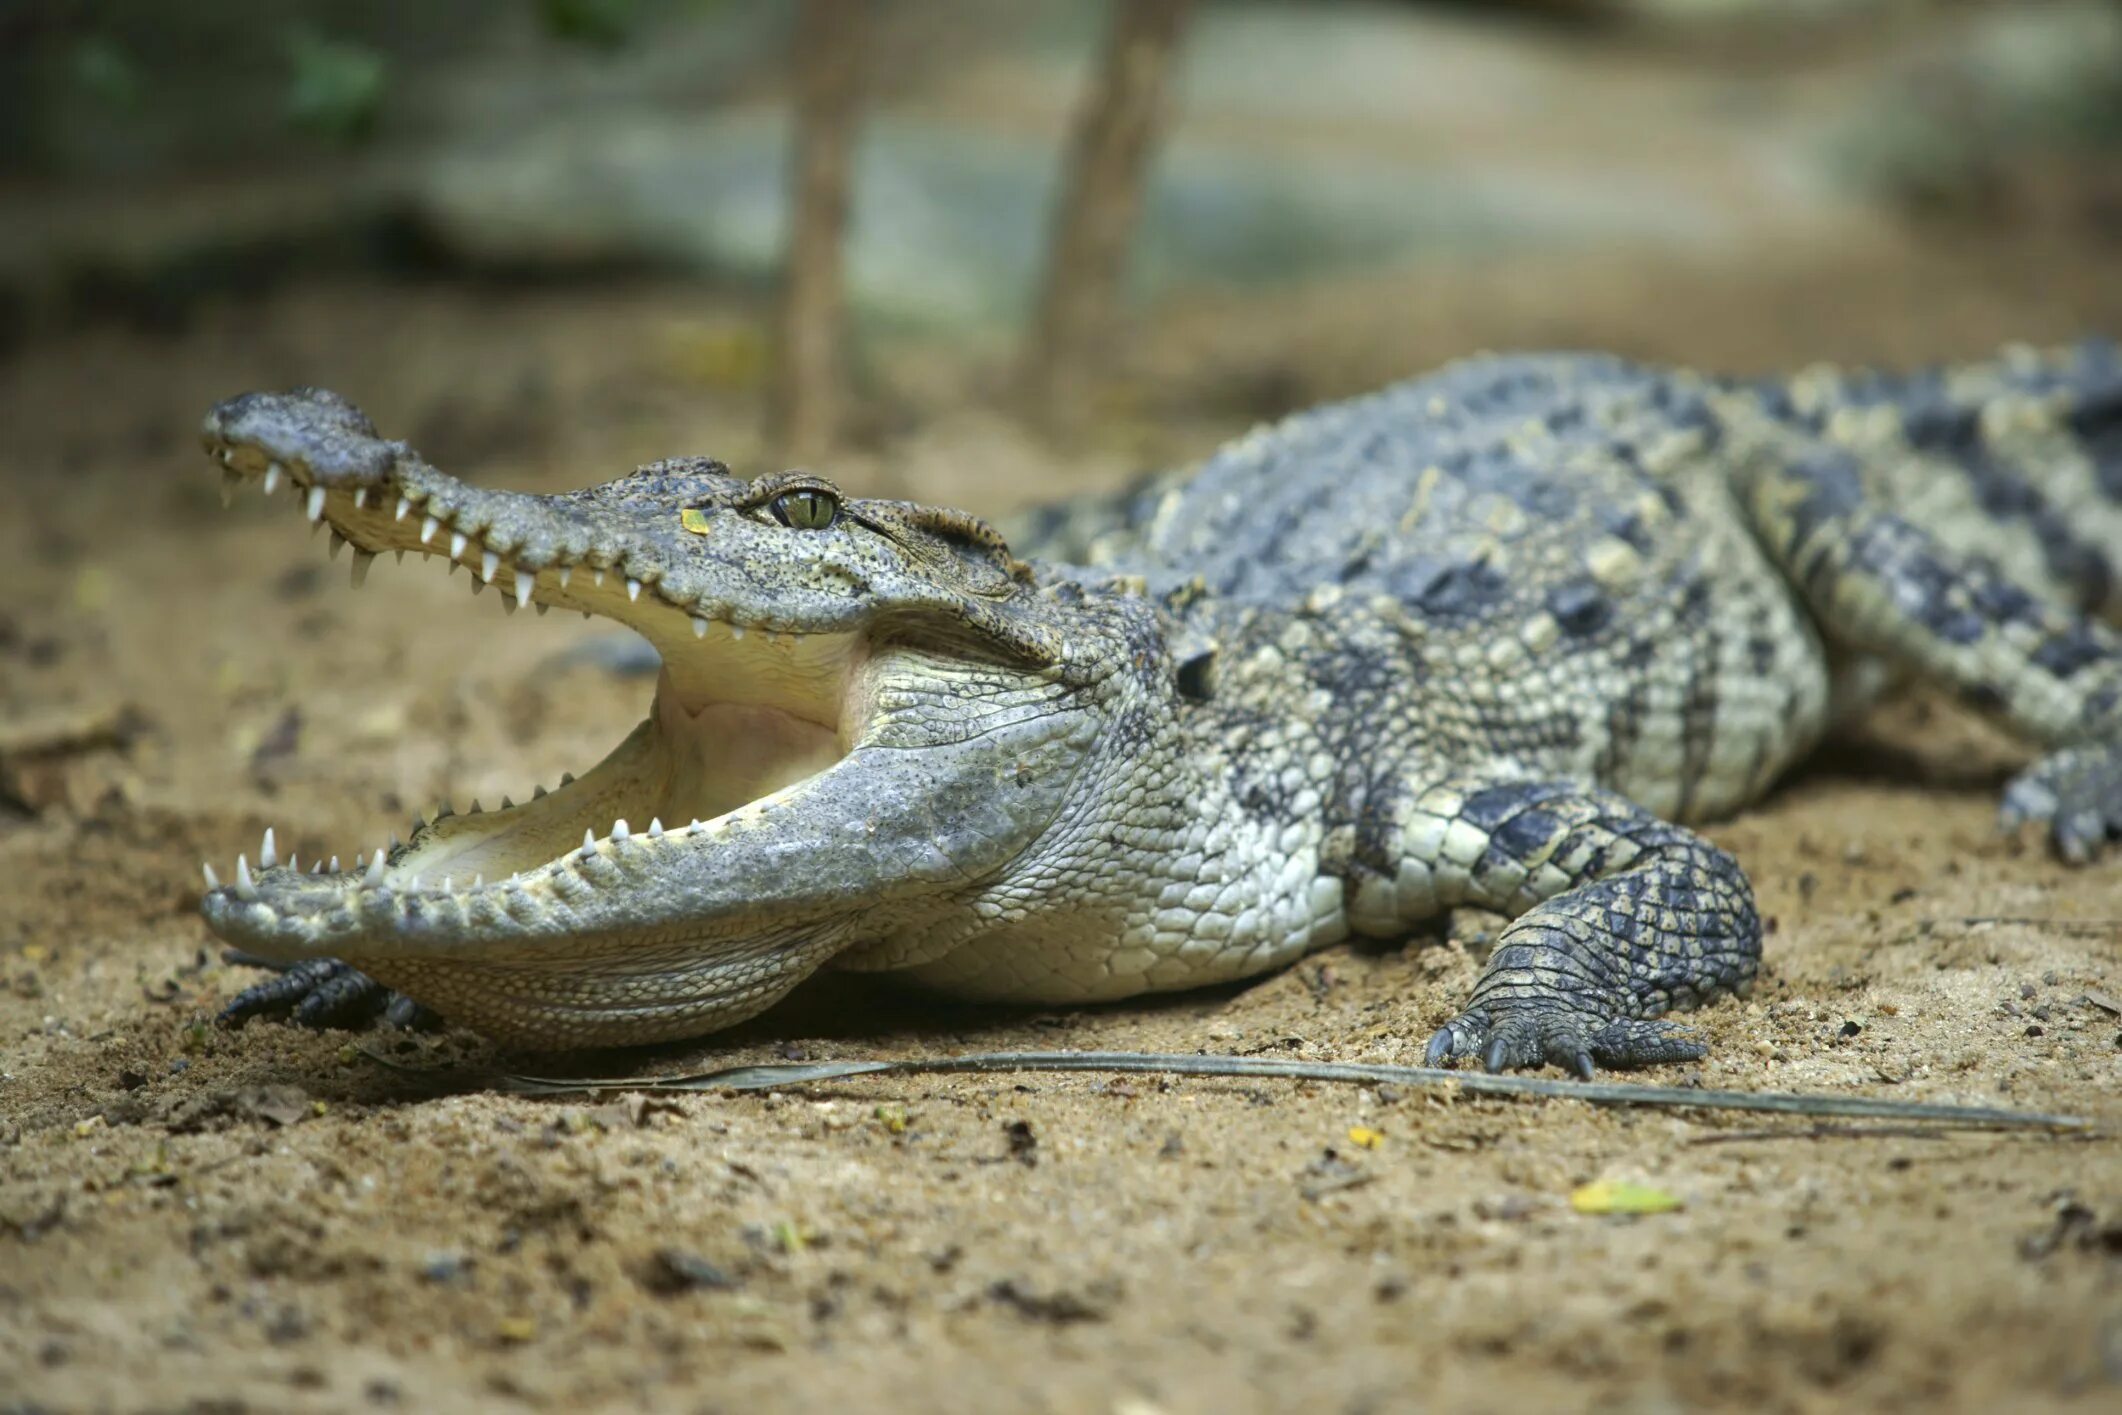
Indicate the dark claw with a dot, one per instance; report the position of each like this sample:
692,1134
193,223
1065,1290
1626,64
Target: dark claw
410,1016
1440,1048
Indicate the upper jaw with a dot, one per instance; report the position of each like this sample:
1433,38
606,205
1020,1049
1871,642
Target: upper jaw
608,550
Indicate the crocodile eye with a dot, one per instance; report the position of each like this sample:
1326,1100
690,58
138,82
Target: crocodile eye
807,510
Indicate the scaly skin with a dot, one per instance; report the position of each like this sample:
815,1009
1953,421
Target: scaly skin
1489,638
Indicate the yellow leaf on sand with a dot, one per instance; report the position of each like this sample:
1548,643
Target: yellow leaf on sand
1619,1196
1365,1138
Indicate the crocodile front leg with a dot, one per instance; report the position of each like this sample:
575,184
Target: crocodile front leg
319,993
1617,918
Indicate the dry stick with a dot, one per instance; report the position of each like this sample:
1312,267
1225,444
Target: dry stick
804,410
777,1075
2096,927
1100,198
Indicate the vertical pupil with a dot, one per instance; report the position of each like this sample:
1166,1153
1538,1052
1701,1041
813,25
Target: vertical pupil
810,510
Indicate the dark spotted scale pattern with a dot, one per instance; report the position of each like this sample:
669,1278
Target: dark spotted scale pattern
1503,630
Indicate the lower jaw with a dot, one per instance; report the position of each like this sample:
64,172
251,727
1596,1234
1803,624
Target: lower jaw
585,1005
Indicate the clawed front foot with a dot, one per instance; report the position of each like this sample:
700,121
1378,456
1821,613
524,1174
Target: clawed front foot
2077,793
1530,1032
320,993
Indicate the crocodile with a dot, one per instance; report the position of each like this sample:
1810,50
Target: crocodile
1496,638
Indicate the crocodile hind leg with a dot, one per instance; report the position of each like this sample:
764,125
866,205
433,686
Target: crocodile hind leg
1880,584
1618,918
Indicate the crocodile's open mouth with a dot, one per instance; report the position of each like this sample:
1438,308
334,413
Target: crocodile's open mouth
742,714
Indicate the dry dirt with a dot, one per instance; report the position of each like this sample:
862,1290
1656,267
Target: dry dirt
193,1218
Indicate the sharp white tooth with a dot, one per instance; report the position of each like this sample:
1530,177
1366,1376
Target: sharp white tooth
567,778
589,843
477,809
619,831
428,528
489,565
457,541
405,508
228,456
597,577
655,828
267,856
229,482
567,572
358,570
413,885
633,589
294,864
338,544
736,631
697,823
477,584
374,876
699,627
478,881
506,804
272,477
246,887
314,507
360,498
317,868
335,864
213,881
537,793
447,881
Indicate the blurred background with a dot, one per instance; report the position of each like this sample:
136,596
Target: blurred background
983,254
514,227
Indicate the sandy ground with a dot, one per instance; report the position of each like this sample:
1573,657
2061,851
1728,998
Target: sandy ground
198,1219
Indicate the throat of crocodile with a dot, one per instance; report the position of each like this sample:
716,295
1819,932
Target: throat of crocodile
734,724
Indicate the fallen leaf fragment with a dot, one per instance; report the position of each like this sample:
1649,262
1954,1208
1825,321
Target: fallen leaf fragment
1619,1196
